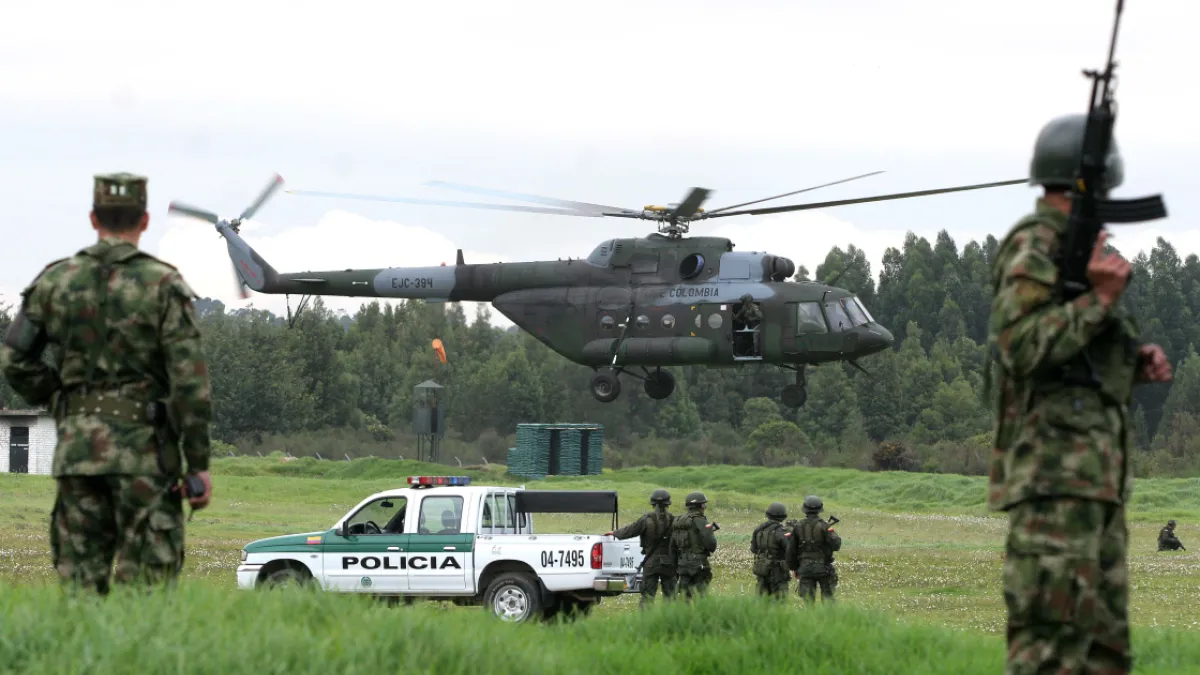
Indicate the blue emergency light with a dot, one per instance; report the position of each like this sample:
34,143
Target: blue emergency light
439,480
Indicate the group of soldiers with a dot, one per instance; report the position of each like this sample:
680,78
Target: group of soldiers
676,550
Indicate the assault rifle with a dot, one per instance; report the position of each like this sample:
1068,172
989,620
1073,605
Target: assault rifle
1090,207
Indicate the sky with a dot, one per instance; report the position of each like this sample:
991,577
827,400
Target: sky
624,103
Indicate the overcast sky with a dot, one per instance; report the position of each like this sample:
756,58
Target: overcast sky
625,103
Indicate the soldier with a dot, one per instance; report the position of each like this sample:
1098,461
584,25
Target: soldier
1063,375
1167,541
692,541
811,546
769,544
129,390
654,531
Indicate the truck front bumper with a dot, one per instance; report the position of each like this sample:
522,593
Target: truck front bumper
247,576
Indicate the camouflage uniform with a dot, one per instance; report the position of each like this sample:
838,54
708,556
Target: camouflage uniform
129,391
692,541
1059,466
810,548
769,544
1167,541
654,532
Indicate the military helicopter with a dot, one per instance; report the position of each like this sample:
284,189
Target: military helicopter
633,304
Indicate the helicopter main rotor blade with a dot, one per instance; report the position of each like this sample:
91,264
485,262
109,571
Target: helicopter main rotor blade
269,190
691,203
789,194
179,207
437,202
862,200
536,199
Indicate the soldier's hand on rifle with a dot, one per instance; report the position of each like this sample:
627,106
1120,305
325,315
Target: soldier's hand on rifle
1108,272
1154,366
203,500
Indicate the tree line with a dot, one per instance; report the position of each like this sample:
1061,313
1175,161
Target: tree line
338,384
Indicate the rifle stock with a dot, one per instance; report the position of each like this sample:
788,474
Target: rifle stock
1090,208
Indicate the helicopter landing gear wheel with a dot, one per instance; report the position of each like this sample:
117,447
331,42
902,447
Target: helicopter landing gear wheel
794,395
605,387
659,385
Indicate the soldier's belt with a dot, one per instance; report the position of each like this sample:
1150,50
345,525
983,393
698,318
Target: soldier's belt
109,405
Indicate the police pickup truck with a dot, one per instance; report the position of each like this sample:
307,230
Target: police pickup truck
442,538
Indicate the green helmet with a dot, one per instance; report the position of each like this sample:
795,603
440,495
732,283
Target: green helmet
777,511
1170,523
695,499
1057,151
661,496
813,504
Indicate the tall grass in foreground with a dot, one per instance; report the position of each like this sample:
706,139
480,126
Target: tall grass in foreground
199,629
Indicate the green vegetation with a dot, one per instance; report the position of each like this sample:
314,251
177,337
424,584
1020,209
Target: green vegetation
339,385
920,549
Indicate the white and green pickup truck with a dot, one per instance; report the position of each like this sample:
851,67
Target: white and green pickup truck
442,538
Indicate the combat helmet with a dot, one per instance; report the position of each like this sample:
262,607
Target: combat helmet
1171,523
695,499
661,496
813,504
1057,151
776,511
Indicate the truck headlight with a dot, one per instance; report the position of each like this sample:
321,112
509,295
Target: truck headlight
243,555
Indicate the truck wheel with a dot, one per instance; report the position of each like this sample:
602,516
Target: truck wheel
286,577
513,597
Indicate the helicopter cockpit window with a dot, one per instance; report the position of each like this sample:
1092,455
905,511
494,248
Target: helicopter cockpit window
602,255
854,310
870,319
809,319
838,321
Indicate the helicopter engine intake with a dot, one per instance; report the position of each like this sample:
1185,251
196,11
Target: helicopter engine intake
778,268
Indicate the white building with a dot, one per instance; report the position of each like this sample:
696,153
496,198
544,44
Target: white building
27,441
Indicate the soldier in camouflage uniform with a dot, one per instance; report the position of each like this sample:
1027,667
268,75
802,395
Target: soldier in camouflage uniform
1167,541
811,545
769,544
692,541
1059,465
654,531
129,389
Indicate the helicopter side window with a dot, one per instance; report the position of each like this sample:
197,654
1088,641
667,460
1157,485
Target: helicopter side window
838,321
857,317
809,319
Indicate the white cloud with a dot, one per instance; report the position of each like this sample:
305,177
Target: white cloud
339,240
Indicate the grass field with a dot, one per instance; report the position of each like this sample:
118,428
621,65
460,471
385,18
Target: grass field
919,548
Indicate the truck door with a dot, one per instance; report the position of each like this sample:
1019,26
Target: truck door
367,556
439,551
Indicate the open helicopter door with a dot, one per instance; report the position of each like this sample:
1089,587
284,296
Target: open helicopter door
714,322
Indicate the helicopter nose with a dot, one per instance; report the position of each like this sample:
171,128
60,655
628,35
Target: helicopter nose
875,339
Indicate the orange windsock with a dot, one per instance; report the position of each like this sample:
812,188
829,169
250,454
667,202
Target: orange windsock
440,349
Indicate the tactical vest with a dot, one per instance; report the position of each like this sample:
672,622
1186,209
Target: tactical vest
686,541
655,539
810,539
767,555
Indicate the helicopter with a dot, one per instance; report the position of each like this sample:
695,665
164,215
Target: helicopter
633,304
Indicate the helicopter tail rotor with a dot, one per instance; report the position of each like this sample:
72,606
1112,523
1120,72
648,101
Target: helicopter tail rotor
238,250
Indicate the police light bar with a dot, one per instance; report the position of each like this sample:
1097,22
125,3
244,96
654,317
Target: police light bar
439,480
